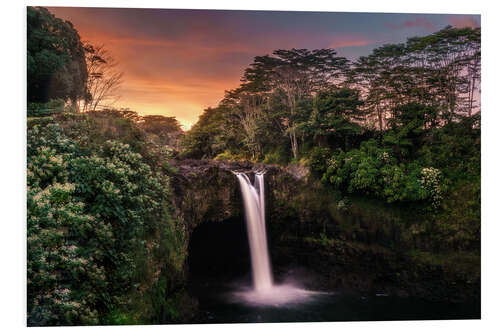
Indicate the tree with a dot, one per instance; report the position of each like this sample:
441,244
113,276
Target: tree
246,107
439,70
293,75
335,114
452,58
208,137
167,129
104,78
407,128
56,65
375,75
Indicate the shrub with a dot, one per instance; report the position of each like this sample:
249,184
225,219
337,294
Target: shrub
45,109
373,171
227,155
279,155
99,229
317,159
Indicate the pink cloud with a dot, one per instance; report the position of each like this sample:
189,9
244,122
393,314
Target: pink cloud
419,22
346,41
463,22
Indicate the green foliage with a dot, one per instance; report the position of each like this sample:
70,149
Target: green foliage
100,230
116,317
167,130
55,61
373,171
407,128
459,222
45,109
318,159
456,150
93,129
206,139
63,273
228,156
279,155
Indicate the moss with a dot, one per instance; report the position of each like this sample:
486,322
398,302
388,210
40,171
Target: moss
117,317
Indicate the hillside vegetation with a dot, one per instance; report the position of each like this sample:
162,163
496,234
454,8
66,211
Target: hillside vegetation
397,130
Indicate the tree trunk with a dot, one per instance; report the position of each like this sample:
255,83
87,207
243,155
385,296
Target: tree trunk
380,123
74,105
293,142
472,96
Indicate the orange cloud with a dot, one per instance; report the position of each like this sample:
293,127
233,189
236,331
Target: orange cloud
463,22
167,75
179,62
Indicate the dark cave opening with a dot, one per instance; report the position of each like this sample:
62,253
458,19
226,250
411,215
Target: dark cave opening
219,250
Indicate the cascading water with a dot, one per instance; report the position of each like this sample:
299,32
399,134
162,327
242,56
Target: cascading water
254,202
264,291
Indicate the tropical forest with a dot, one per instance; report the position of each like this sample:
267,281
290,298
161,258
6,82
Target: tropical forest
363,177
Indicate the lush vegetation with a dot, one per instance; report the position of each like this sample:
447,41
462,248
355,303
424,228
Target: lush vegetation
100,228
400,126
56,59
103,244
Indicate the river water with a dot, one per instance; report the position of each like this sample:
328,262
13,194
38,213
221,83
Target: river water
261,299
223,303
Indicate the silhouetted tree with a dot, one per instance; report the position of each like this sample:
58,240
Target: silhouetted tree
104,78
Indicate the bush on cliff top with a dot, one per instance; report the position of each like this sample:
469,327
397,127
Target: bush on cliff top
100,231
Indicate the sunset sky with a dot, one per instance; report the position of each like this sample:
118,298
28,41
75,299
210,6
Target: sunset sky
179,62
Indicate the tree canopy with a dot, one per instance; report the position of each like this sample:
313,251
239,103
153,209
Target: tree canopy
55,60
293,99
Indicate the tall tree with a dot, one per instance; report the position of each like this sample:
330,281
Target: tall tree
439,70
293,75
211,135
56,65
376,76
335,113
247,107
104,78
451,58
167,129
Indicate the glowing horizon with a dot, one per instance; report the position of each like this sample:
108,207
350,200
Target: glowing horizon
180,62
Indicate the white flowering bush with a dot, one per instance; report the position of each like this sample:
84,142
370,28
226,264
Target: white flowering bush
430,180
100,231
62,274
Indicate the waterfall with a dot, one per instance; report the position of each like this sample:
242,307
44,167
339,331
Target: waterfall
264,293
255,214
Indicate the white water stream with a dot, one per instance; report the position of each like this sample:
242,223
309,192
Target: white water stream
255,213
264,291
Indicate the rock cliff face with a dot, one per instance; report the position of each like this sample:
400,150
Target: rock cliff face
362,247
207,190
